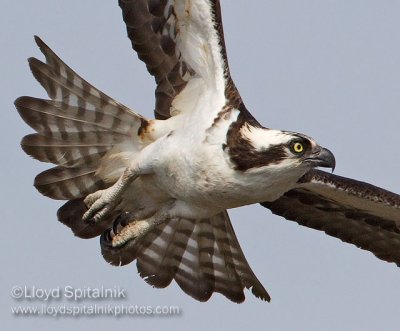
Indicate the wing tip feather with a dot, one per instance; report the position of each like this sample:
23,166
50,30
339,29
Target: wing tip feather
44,48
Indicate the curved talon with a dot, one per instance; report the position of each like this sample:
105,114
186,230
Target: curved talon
131,232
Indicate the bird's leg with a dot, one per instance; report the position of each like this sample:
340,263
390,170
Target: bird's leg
101,202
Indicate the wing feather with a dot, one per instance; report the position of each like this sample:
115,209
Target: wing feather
180,41
65,85
81,130
353,211
68,183
65,153
70,214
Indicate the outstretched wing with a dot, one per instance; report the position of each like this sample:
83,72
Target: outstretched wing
203,256
81,130
355,212
182,45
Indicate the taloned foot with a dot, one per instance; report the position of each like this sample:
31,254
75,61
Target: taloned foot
102,202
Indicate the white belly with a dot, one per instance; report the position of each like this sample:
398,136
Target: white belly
199,181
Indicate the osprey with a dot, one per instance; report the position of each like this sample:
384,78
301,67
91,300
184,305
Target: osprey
157,190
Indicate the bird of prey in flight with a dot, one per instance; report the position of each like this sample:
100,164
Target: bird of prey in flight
157,190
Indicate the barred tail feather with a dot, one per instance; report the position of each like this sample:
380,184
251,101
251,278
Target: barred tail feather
202,256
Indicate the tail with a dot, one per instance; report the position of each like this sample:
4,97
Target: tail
203,256
80,130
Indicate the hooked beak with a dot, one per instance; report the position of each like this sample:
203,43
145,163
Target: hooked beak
323,158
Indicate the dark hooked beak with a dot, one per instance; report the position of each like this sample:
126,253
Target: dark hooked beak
323,158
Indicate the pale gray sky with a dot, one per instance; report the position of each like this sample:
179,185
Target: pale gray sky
330,69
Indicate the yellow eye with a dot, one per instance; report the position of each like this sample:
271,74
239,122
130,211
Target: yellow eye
298,148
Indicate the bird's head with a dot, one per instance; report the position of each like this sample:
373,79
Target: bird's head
261,147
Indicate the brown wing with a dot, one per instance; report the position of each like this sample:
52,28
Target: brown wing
355,212
153,28
202,256
76,130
